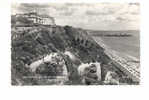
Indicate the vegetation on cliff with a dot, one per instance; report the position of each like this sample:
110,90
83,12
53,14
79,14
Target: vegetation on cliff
32,43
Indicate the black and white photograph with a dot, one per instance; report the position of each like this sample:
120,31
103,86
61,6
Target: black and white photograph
75,44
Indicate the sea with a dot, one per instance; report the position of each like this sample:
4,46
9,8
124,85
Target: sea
126,45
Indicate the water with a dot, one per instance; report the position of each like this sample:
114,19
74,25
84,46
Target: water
126,45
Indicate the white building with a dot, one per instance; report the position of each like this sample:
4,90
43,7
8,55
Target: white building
47,20
38,19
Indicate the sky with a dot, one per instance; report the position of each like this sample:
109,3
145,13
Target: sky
94,16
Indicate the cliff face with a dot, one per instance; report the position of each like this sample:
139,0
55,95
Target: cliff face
41,40
32,43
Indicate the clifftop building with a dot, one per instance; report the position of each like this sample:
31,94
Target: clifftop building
37,19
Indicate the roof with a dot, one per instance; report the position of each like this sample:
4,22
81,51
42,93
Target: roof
45,16
38,15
